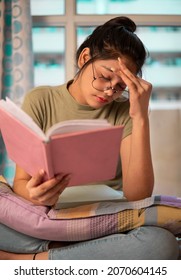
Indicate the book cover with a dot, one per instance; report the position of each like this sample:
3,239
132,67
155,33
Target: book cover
89,155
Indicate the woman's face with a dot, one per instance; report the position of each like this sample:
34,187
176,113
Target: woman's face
97,85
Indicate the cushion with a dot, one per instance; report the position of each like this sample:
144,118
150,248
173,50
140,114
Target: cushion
88,221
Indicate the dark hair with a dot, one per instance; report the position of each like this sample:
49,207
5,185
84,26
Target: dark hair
114,38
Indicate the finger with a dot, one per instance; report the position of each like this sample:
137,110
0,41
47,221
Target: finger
145,84
57,180
138,80
50,199
53,185
59,188
51,196
36,179
125,69
138,85
128,77
132,85
37,188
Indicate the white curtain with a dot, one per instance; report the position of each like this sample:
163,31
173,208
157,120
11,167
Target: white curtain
16,61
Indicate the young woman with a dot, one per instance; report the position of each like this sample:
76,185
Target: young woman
109,64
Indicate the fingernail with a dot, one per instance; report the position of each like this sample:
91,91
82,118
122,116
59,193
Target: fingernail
68,177
41,172
59,176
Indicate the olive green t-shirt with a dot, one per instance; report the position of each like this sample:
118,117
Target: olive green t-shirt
48,105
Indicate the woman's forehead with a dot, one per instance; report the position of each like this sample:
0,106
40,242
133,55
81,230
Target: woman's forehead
113,65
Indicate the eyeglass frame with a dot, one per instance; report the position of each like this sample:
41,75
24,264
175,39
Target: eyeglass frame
124,93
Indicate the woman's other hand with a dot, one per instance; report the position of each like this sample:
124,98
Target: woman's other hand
36,189
46,193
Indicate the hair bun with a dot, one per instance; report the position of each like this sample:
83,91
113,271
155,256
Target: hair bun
123,22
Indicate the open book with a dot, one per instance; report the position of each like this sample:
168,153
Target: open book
87,194
86,149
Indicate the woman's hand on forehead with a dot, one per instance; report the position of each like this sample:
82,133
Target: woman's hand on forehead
126,64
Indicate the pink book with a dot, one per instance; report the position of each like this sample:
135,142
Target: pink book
86,149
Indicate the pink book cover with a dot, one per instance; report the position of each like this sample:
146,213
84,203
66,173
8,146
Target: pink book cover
23,145
90,156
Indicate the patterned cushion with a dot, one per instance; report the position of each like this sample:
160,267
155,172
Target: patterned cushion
87,222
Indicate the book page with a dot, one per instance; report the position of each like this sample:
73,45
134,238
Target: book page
76,125
24,118
64,127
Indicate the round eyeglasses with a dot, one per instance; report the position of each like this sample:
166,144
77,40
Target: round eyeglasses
103,84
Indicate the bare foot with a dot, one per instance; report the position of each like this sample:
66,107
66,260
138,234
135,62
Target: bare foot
39,256
13,256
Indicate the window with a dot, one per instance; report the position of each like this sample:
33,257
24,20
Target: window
47,7
60,26
154,7
49,50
